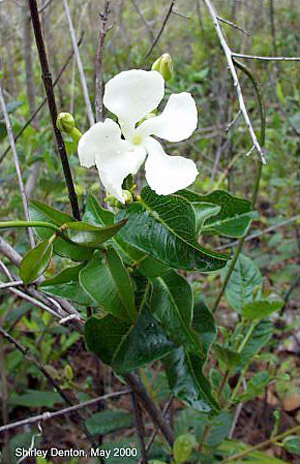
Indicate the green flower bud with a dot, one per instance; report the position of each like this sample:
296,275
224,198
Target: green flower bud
66,123
164,65
182,448
127,196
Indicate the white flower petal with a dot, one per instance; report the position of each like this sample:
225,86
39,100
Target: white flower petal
115,158
166,174
177,122
132,94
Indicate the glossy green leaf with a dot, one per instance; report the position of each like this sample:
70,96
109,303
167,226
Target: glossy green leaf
123,346
88,235
187,381
172,304
204,323
165,228
256,386
106,281
42,212
261,309
95,214
244,284
66,285
104,422
36,261
234,217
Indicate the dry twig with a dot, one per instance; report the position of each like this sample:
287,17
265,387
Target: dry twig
236,82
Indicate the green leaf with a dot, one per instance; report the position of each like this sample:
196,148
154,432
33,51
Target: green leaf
165,228
260,337
234,217
66,285
36,261
244,284
261,309
204,323
232,447
172,305
36,399
125,347
203,212
95,214
256,386
88,235
187,381
42,212
183,447
227,355
105,422
292,444
106,281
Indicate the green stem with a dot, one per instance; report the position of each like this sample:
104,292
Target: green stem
261,445
47,225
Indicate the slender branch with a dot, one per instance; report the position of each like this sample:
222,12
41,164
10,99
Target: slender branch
48,84
164,23
139,427
266,58
236,82
16,283
261,445
50,415
235,26
145,22
154,433
99,62
9,252
150,407
79,65
263,232
16,163
44,101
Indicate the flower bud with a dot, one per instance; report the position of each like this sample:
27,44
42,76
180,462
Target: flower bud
164,65
66,123
127,196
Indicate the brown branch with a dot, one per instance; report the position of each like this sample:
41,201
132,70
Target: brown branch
164,23
139,427
150,407
48,84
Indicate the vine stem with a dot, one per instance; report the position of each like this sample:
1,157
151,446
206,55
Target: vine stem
261,445
48,84
47,225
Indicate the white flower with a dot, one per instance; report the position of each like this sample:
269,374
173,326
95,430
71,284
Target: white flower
131,96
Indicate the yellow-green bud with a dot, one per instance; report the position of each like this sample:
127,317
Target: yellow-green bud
66,123
127,196
183,447
164,65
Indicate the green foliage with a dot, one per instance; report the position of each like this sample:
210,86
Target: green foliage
244,285
165,228
36,261
104,422
261,309
107,282
182,448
